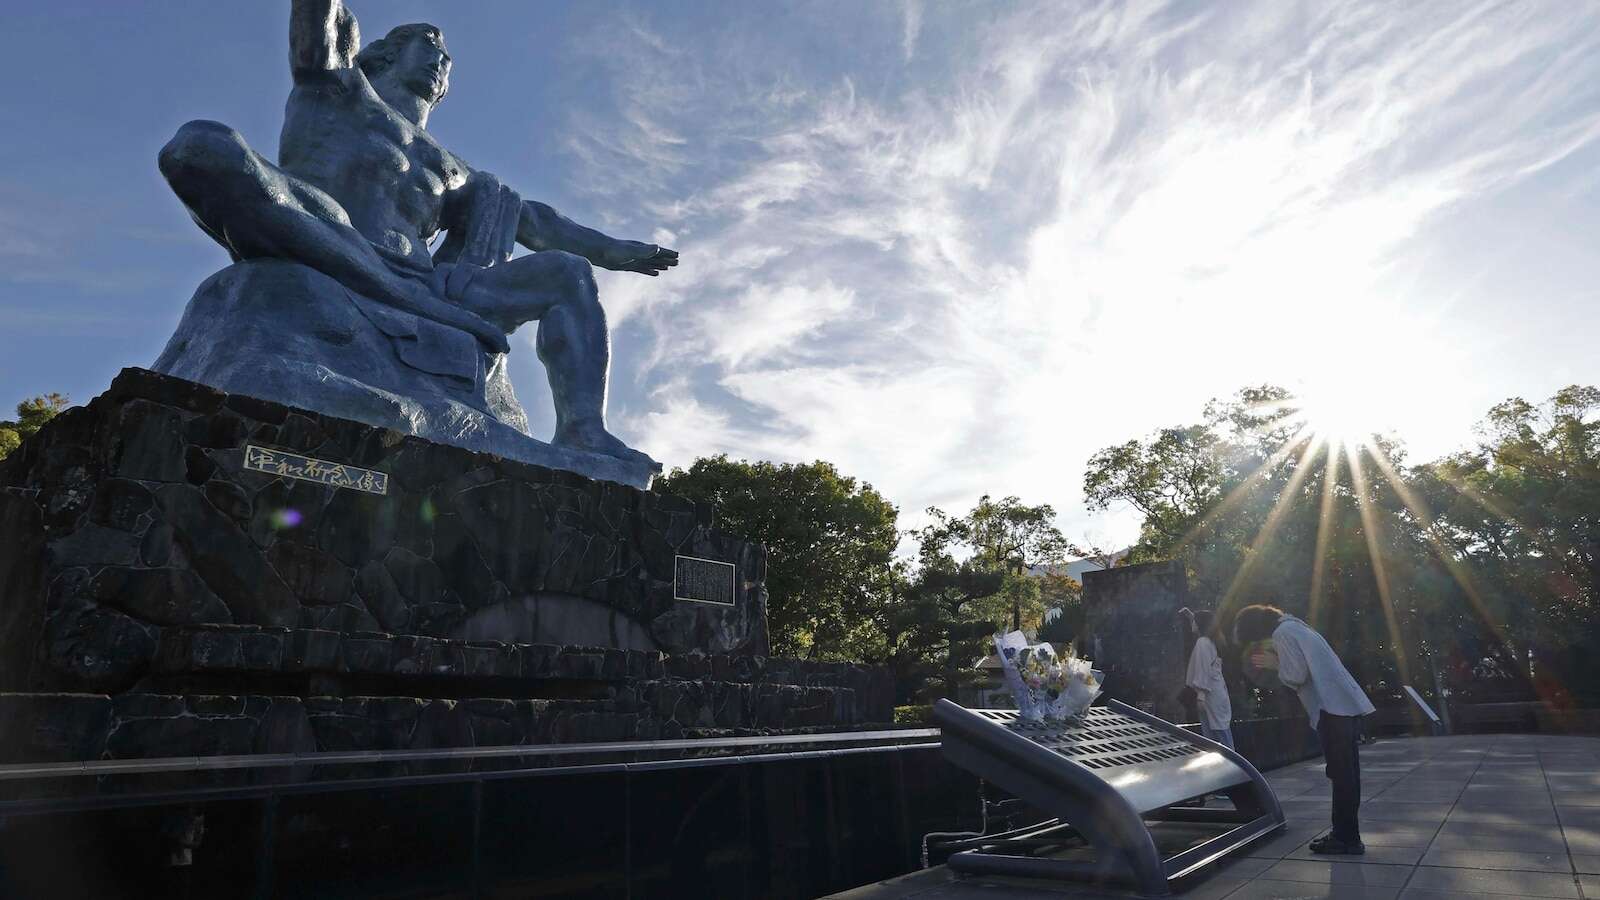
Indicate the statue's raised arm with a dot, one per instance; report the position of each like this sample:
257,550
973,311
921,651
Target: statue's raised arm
323,37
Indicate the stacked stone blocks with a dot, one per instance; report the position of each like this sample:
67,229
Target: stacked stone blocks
157,596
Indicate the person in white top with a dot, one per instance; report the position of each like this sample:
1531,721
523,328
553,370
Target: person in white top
1333,700
1205,677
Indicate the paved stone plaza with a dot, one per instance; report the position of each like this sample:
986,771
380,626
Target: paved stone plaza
1483,816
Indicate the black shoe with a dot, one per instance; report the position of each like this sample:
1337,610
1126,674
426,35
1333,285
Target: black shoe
1334,847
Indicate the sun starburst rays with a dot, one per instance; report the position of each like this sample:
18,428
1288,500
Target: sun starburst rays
1371,530
1350,448
1270,527
1319,559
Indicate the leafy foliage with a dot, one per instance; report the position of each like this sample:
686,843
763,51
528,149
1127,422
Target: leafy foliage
1259,510
1062,597
945,615
31,416
830,542
1008,536
1410,569
1521,515
836,590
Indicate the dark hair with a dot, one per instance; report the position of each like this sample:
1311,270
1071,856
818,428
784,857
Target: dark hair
1255,623
381,53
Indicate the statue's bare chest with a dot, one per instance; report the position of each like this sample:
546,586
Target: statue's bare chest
387,141
369,157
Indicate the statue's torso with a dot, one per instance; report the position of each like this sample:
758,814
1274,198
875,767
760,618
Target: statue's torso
389,175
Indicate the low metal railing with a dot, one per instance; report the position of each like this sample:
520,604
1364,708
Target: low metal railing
99,767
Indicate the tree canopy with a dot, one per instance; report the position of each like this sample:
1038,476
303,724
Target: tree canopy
1006,536
1410,567
31,416
1520,515
830,542
837,591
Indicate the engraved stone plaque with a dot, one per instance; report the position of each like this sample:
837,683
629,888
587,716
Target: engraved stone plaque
293,465
703,580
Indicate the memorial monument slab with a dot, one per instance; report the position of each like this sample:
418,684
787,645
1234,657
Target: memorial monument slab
1131,619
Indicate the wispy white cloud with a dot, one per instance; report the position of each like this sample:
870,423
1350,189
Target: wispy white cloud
911,26
767,323
1073,229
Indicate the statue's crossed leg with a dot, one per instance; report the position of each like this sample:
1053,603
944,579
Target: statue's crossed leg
256,210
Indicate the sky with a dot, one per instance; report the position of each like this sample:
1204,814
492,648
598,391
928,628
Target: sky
953,248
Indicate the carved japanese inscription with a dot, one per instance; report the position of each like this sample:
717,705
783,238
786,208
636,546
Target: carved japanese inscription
704,580
305,468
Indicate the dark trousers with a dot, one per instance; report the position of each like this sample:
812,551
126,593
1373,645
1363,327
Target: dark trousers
1341,738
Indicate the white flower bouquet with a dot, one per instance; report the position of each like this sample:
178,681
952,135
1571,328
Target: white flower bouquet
1046,686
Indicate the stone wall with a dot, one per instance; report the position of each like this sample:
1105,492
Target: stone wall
130,520
1131,618
706,697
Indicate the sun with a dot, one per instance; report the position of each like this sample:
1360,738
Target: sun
1342,412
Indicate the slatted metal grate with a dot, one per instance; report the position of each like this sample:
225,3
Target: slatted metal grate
1108,777
1103,739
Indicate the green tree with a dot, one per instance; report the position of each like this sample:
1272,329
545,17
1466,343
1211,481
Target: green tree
1260,508
830,542
1171,479
948,613
895,641
1521,515
31,416
1010,536
1062,596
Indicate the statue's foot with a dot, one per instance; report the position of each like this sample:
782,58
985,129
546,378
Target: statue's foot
592,436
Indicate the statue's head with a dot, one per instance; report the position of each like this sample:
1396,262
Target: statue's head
412,55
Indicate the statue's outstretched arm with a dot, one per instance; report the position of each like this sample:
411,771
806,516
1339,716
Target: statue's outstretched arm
542,228
323,38
484,218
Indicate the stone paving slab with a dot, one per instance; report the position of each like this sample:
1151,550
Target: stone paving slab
1518,861
1378,856
1475,817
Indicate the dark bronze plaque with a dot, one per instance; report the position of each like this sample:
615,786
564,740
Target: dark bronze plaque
704,580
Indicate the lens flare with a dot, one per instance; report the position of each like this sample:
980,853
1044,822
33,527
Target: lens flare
1333,429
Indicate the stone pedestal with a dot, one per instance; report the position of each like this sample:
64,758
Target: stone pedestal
238,574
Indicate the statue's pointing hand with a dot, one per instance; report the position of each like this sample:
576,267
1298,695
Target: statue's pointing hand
646,259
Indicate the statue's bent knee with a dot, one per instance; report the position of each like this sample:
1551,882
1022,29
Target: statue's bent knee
201,146
577,272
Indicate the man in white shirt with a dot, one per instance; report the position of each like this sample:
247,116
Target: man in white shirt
1205,677
1333,701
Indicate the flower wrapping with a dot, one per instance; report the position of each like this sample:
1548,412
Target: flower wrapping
1045,685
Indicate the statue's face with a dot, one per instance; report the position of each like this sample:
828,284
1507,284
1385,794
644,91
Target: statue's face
424,67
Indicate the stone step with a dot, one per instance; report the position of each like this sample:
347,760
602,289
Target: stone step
73,727
233,657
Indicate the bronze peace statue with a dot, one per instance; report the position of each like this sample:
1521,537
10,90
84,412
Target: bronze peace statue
335,302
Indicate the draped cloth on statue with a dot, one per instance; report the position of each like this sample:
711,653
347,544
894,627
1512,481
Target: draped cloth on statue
282,331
